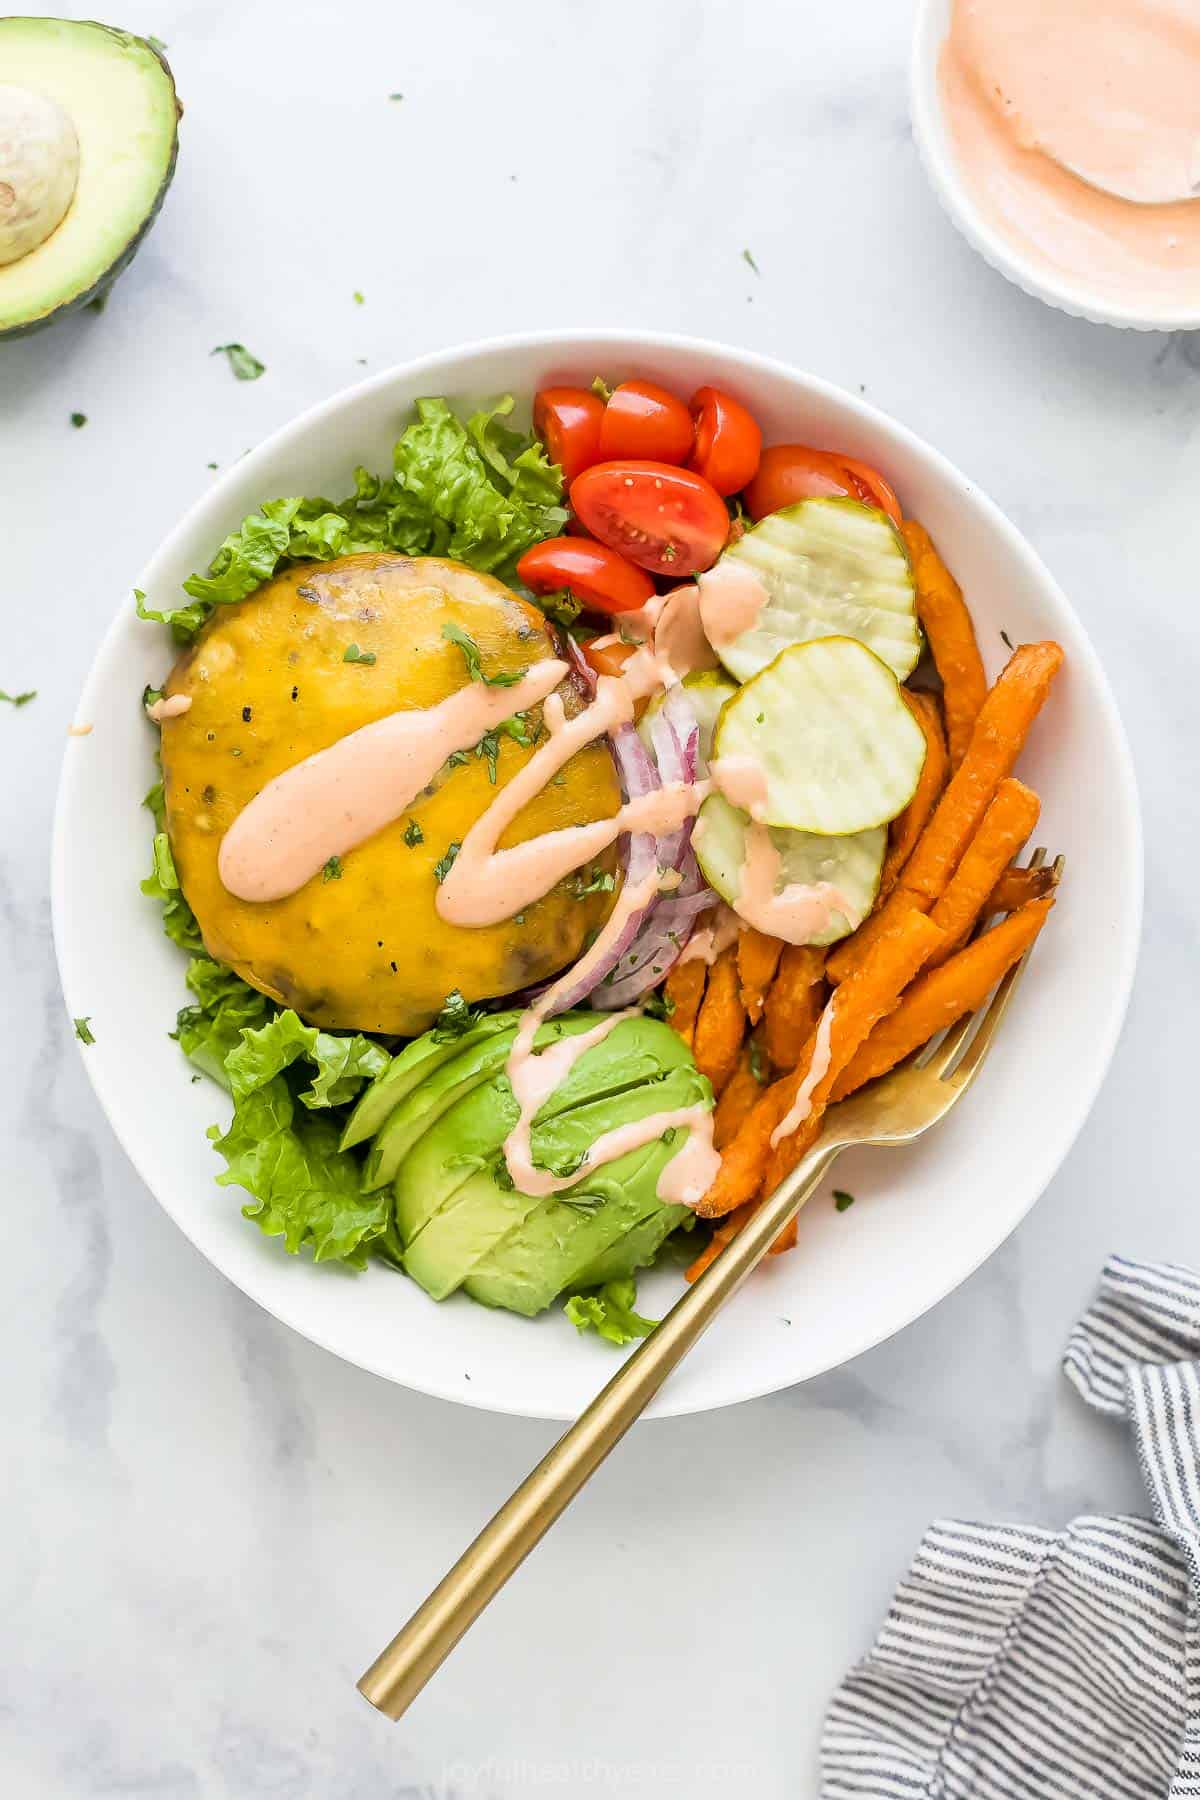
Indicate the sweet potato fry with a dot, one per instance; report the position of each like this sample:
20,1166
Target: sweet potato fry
786,1239
724,1233
1016,888
870,994
947,625
1003,829
794,1004
757,960
945,994
741,1091
721,1022
1000,731
684,988
905,830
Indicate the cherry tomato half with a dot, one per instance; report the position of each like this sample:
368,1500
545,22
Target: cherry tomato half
645,421
791,472
568,422
670,521
607,658
872,488
728,441
598,577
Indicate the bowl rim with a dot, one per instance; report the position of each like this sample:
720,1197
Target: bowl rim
434,364
941,170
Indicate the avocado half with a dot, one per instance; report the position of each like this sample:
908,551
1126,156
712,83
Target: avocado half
88,140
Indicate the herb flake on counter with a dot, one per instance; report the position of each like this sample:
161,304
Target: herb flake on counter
19,699
413,835
454,634
358,298
842,1200
332,870
243,362
444,864
748,259
78,420
83,1029
395,96
352,654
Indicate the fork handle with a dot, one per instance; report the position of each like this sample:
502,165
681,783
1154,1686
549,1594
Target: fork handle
418,1650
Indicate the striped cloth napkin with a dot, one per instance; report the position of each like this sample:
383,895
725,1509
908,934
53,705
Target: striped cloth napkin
1021,1664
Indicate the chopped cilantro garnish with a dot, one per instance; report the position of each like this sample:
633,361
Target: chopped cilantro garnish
19,699
78,419
332,870
658,1006
352,654
842,1200
455,1017
748,259
244,365
444,864
413,835
358,298
454,634
600,882
83,1030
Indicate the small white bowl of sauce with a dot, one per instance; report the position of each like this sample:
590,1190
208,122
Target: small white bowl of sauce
1063,139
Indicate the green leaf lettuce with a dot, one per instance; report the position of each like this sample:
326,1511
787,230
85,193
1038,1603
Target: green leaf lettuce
609,1311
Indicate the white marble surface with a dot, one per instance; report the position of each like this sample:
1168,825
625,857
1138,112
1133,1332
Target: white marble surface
209,1525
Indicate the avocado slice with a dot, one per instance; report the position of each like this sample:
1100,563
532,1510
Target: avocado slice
418,1059
460,1118
565,1235
548,1252
636,1250
450,1224
92,118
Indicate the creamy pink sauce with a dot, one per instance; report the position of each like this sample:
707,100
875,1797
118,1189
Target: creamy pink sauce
336,799
713,933
743,781
797,913
169,706
731,599
818,1068
1064,115
679,639
534,1077
488,884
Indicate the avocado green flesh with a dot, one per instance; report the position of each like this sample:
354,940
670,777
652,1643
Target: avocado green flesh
471,1216
119,94
636,1250
450,1081
475,1120
415,1063
532,1265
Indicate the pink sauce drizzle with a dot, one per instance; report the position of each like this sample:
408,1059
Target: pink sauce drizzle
743,781
169,706
688,1174
817,1070
679,638
488,884
336,799
797,913
718,930
731,599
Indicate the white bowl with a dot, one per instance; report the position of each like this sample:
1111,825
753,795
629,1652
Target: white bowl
924,1220
941,166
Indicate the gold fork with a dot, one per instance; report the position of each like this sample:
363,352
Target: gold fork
897,1109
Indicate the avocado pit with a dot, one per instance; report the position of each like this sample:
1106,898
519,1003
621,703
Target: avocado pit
39,169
